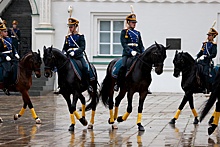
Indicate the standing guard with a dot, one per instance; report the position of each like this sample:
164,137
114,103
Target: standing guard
74,46
15,34
206,54
7,53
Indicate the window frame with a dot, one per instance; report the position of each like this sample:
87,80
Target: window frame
96,17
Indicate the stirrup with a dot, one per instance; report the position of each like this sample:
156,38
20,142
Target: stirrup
90,88
116,87
6,91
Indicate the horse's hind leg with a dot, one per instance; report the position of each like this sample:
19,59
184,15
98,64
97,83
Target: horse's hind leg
27,101
191,104
216,119
83,101
16,116
182,104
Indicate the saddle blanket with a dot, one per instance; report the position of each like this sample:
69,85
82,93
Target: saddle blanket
130,65
13,75
77,67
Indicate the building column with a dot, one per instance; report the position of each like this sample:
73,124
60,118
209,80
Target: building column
44,32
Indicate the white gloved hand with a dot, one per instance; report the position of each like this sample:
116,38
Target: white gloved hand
72,54
202,57
17,56
8,58
133,53
64,53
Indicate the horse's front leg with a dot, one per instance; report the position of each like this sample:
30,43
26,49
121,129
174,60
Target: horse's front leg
191,104
129,107
142,96
73,109
16,116
182,104
27,101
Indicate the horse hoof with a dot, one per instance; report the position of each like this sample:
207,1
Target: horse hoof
211,120
16,116
211,129
71,128
196,121
140,127
119,119
90,126
83,121
114,127
172,121
1,120
38,121
110,121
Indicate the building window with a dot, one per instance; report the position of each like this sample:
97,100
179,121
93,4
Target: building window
109,37
175,43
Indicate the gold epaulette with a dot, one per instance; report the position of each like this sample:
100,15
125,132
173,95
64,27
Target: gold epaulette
126,34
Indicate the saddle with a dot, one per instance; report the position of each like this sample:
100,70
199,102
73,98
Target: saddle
77,67
130,65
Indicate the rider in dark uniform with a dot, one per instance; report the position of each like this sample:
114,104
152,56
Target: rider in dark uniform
74,46
132,46
15,34
7,53
208,52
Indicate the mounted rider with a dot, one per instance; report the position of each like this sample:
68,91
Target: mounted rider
206,54
74,46
132,45
7,53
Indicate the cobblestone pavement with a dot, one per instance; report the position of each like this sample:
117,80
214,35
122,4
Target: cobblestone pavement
159,108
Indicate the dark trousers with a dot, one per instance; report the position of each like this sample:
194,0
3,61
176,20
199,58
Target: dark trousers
85,72
122,71
6,73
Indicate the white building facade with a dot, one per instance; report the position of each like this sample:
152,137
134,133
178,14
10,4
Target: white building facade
184,21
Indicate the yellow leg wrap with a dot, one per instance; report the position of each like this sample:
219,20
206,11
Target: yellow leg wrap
216,118
34,115
125,116
139,139
213,114
22,111
177,114
194,113
139,117
72,119
92,117
116,113
111,115
83,110
77,114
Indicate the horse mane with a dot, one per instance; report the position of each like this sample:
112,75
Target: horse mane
148,50
189,57
27,55
57,51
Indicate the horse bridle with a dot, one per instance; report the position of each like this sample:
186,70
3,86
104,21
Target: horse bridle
53,60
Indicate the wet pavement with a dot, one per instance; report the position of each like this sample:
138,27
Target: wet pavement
159,108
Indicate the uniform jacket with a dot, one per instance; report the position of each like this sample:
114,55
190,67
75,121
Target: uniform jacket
131,36
69,43
209,49
6,45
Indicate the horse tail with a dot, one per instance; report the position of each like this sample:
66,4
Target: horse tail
207,105
105,87
214,95
95,94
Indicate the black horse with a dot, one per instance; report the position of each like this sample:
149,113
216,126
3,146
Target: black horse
138,80
192,81
70,83
215,95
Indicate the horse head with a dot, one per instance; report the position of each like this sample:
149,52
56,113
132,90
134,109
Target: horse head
156,54
181,61
49,61
53,59
37,63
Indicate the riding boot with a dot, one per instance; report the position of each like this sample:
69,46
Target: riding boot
120,78
86,80
6,86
